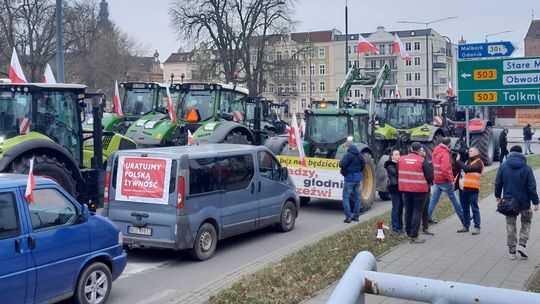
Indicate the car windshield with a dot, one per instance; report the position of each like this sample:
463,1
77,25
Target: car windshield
327,128
138,101
14,113
403,115
200,100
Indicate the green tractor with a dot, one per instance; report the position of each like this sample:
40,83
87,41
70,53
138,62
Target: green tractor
325,132
44,122
141,100
213,113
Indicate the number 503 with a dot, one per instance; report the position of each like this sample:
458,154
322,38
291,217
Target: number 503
485,96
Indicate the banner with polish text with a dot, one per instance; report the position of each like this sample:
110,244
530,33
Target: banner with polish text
143,179
319,178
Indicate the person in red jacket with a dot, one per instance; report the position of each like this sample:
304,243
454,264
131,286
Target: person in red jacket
443,178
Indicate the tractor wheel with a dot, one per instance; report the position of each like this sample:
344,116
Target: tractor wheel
367,190
485,144
48,167
236,137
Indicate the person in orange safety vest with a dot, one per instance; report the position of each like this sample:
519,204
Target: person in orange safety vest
469,184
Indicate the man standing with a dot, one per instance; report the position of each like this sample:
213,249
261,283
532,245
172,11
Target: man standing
397,198
443,178
527,137
503,144
425,217
515,179
413,179
352,164
471,172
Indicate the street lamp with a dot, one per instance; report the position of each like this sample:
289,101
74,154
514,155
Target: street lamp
493,34
427,44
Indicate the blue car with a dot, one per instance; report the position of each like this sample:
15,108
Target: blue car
54,249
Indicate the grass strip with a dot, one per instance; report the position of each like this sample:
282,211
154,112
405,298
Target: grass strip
301,275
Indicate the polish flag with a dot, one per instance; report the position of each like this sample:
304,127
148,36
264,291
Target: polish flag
398,93
48,76
190,140
116,101
365,46
301,154
30,184
450,90
16,74
170,107
398,47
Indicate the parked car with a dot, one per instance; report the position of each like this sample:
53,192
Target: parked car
190,197
52,248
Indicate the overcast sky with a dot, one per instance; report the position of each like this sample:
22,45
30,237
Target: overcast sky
148,21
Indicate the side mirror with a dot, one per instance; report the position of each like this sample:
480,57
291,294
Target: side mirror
380,121
85,213
284,173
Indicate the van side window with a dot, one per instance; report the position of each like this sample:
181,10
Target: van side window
203,175
269,167
51,209
9,219
236,172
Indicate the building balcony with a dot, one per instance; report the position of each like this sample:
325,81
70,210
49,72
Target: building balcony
439,65
375,55
439,51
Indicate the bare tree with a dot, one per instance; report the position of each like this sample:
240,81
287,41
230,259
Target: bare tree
234,28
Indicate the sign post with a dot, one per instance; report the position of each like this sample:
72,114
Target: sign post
485,50
499,82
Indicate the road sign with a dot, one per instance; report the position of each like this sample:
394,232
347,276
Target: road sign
485,50
499,82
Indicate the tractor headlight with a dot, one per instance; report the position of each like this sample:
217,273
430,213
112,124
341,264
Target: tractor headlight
1,140
140,123
150,124
120,237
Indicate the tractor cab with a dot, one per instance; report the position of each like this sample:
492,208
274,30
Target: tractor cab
327,130
409,113
268,115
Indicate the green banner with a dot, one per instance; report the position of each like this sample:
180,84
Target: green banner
499,82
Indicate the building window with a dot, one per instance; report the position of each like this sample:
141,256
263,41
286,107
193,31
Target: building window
416,61
357,63
253,57
417,92
322,69
408,63
286,55
312,87
312,69
408,77
417,76
303,70
303,86
350,64
293,73
278,55
311,54
322,86
356,93
381,63
408,92
373,64
417,46
392,92
271,88
280,88
293,86
271,56
392,63
382,49
322,52
407,46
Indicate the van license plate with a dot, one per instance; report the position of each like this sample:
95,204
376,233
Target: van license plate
140,230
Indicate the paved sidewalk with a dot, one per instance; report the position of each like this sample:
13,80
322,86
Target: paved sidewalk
466,258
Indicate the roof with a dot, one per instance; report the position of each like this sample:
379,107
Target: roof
334,111
534,30
175,152
179,57
8,180
401,34
319,36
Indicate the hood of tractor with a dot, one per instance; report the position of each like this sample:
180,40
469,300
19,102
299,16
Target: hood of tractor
418,133
151,129
6,144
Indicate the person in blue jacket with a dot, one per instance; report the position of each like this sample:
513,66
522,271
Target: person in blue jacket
515,179
352,164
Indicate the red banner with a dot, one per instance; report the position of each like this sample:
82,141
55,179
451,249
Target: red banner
143,179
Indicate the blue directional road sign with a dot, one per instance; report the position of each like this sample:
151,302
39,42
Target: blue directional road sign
485,50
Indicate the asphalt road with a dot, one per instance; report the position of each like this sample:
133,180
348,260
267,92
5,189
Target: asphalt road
165,276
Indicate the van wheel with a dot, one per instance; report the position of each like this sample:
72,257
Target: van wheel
94,284
288,217
205,243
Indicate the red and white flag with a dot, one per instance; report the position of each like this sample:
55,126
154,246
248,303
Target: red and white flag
48,76
30,184
299,146
116,101
365,46
450,90
170,108
303,128
398,93
190,140
16,74
398,47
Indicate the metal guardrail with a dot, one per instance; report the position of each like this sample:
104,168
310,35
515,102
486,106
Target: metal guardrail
362,278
